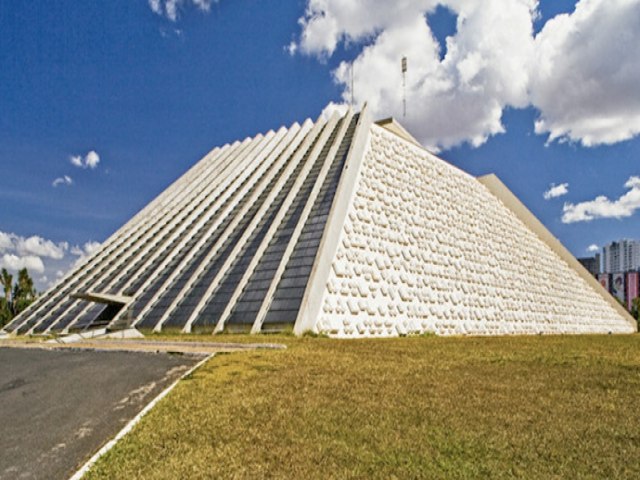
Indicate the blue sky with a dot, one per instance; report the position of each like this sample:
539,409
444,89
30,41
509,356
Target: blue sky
143,94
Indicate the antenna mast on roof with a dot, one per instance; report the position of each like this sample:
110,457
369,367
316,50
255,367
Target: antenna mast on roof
403,64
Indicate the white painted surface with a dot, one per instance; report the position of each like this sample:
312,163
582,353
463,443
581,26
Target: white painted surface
412,245
127,333
426,247
77,337
312,299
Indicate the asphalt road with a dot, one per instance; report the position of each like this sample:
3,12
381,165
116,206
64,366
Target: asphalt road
57,408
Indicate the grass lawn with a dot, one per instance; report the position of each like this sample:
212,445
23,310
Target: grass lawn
431,407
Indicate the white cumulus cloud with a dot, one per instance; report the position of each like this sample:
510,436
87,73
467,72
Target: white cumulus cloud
34,245
556,191
587,72
580,71
449,101
41,247
171,8
33,253
89,248
6,242
90,160
84,251
41,256
64,180
603,207
14,263
329,110
593,248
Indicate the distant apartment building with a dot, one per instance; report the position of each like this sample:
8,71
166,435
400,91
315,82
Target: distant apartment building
621,256
592,264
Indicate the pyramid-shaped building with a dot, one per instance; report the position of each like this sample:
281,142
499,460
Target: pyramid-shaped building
343,226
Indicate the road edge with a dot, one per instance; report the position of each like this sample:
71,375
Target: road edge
135,420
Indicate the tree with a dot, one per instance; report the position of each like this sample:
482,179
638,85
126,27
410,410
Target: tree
24,292
6,310
16,297
635,308
7,283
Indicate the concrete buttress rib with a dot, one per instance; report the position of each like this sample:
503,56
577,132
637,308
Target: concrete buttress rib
318,136
207,204
301,249
23,317
281,228
116,240
215,305
256,177
340,226
210,266
311,301
189,201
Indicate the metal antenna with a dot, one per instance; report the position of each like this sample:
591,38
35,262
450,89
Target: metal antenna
403,64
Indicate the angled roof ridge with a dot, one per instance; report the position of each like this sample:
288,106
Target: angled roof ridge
392,125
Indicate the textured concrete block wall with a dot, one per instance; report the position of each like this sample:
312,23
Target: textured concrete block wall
427,248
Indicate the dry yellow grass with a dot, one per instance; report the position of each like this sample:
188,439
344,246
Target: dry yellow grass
523,407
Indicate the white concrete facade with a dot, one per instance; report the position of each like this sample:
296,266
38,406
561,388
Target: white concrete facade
339,226
426,247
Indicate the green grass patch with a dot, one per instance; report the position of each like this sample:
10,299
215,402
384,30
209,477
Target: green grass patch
26,339
422,407
176,336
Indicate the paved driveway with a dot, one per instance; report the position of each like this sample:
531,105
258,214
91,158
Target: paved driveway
58,407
